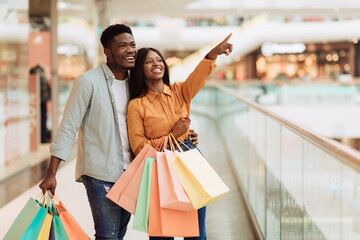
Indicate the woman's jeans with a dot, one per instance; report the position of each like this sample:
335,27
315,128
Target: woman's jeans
110,220
201,211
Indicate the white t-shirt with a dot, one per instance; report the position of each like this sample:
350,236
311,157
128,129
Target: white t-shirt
121,101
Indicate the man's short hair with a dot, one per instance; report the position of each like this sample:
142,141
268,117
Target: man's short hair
112,31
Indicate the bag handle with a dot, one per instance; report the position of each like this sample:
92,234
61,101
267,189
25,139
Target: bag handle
166,138
161,145
46,202
177,144
56,198
172,148
184,144
51,206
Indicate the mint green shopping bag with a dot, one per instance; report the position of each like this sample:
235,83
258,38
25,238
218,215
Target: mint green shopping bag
57,228
23,220
32,231
141,218
60,233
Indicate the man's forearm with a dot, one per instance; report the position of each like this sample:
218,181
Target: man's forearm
53,165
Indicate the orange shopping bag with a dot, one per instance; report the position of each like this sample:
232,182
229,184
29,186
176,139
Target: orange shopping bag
172,194
167,222
126,189
71,226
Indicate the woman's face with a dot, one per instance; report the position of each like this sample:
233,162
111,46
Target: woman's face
154,67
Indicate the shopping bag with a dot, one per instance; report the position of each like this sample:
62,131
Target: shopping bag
200,181
167,222
59,230
141,218
23,220
40,226
33,230
52,231
45,228
126,189
71,226
172,194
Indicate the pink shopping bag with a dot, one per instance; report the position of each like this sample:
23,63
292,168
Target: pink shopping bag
172,194
126,189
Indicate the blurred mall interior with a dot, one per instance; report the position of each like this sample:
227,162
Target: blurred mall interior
278,119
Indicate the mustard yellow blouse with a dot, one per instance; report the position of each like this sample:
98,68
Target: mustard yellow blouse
153,116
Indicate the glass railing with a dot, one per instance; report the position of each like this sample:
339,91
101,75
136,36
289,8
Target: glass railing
298,185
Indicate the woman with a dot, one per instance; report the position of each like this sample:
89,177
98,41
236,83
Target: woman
157,108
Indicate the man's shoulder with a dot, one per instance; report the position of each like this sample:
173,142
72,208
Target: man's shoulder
94,73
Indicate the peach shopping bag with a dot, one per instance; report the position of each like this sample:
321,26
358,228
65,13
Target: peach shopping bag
126,189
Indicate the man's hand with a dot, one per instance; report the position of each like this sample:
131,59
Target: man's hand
193,137
181,127
49,182
222,48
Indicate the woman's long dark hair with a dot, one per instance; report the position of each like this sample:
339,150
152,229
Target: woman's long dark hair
137,85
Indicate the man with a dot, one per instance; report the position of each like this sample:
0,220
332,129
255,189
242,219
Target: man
96,107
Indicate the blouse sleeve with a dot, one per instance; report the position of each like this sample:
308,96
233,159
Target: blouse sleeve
197,79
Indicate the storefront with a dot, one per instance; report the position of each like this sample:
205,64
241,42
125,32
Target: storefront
328,61
14,95
25,42
295,61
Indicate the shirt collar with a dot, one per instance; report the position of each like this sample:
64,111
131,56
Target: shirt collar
151,95
109,75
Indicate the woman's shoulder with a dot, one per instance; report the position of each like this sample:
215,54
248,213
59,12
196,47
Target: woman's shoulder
136,101
175,85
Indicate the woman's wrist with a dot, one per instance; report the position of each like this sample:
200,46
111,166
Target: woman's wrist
175,134
211,56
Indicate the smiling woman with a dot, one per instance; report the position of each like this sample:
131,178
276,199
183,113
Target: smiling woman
157,109
154,71
153,98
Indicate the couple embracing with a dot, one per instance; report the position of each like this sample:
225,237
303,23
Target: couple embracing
118,108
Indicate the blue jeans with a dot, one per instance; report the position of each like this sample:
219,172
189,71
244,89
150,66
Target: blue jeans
201,211
110,220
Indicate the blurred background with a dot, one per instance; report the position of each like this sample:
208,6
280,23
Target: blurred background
295,62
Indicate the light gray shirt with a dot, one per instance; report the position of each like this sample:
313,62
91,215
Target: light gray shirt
90,111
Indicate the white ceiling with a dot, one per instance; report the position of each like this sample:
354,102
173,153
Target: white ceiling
131,9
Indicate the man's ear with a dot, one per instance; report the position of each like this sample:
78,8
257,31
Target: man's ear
107,52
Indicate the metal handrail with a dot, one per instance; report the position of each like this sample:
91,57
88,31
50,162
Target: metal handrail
342,152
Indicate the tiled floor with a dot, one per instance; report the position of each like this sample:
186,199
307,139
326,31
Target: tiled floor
226,218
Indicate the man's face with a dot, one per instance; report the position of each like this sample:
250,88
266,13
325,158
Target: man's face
122,52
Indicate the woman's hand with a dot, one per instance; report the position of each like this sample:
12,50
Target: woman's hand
222,48
181,127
